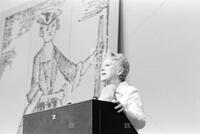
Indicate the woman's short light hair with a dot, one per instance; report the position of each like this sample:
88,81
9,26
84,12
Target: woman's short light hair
124,64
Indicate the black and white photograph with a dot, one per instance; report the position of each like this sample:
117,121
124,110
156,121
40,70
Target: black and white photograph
99,66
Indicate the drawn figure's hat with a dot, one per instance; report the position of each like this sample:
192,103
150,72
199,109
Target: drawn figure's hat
48,16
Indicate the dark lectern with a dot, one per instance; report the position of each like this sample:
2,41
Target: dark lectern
89,117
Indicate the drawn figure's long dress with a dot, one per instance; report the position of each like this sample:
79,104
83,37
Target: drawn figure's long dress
44,76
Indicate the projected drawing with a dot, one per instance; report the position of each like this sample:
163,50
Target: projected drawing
49,61
45,56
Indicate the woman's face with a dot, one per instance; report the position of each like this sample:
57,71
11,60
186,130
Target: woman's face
49,31
109,70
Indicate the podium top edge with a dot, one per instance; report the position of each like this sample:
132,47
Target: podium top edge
64,106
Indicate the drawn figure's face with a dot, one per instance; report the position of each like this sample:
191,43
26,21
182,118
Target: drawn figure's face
109,70
48,31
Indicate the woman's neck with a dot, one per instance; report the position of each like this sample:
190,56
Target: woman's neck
115,81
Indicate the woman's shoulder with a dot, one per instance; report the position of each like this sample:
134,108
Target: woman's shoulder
128,88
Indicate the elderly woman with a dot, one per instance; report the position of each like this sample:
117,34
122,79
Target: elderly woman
114,70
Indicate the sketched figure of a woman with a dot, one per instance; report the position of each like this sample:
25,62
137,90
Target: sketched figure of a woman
47,63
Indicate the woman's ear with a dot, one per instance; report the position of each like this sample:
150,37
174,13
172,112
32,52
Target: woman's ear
119,72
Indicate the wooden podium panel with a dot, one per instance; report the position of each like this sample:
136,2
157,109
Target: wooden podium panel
89,117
